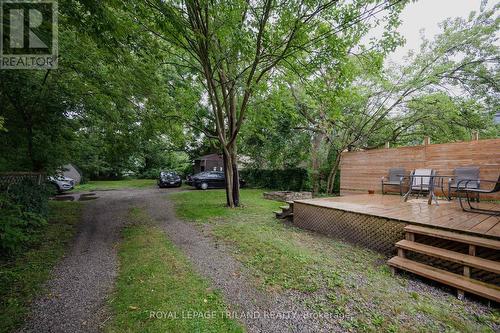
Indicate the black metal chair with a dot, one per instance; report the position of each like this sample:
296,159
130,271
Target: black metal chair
464,173
462,187
396,176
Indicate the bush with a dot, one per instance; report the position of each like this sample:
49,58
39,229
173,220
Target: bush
154,173
150,173
285,180
23,211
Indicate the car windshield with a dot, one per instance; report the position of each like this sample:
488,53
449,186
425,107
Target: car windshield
168,174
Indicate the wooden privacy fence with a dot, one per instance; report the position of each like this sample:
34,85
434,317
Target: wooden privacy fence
8,179
362,170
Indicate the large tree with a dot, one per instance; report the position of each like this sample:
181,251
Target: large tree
233,49
100,108
374,106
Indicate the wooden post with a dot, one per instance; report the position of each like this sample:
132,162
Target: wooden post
387,145
472,252
410,236
475,135
427,140
467,271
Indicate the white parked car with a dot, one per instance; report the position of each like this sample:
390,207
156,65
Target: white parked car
61,183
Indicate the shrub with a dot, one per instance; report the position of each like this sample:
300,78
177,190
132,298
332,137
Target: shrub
31,196
152,173
296,179
23,211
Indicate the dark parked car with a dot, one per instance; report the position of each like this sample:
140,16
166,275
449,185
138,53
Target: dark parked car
209,179
169,179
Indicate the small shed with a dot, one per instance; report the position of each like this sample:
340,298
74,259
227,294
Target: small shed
71,171
209,162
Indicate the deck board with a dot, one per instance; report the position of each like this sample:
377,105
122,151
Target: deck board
495,230
447,214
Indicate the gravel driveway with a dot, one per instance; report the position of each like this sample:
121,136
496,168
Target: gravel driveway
77,296
258,310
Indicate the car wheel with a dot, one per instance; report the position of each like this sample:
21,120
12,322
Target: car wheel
204,186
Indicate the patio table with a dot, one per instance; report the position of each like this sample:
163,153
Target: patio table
434,180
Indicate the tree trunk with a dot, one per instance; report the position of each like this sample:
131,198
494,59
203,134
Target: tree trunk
236,180
315,162
333,174
232,176
28,123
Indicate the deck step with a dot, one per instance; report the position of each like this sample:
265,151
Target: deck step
282,215
454,236
458,281
460,258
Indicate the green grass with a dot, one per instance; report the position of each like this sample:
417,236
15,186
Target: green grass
157,290
115,184
203,206
22,278
338,277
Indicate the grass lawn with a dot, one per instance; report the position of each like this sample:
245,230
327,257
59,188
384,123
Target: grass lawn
115,184
21,278
157,290
334,276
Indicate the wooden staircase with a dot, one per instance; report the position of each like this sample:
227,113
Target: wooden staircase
463,282
286,211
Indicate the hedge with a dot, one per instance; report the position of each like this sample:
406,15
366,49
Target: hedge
23,212
284,180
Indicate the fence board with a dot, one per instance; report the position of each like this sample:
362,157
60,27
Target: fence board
362,170
8,179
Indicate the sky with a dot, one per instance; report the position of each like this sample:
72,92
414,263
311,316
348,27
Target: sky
427,14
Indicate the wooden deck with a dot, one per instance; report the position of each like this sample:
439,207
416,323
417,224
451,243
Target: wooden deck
448,215
439,242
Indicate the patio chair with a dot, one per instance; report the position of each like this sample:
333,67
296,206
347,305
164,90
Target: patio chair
463,187
461,174
421,182
396,176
